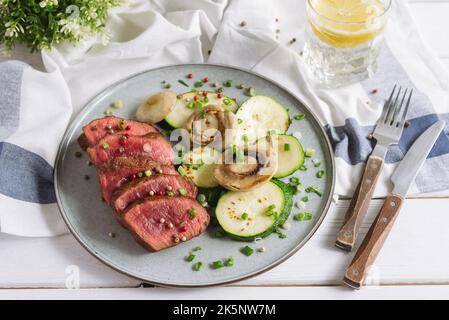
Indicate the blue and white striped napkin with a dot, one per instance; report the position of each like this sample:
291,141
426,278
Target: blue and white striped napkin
350,113
35,109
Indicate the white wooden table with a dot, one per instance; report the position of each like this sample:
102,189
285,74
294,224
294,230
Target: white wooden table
413,264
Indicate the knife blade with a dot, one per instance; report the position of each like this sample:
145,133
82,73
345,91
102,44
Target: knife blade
408,169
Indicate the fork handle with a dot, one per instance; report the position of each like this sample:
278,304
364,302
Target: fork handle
359,204
373,242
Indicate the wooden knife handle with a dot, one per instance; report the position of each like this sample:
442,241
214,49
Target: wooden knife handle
373,242
359,204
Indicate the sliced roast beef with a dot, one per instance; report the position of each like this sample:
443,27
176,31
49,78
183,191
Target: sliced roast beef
156,184
152,145
118,171
99,128
161,222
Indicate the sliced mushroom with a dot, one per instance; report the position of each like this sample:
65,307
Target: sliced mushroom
211,124
247,168
156,107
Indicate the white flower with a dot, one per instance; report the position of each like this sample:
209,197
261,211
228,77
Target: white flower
43,4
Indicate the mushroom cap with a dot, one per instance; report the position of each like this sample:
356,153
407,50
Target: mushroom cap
156,107
256,166
211,124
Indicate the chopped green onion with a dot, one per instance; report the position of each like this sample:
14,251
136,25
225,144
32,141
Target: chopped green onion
245,137
190,257
244,216
227,101
117,104
170,193
315,190
218,264
303,168
108,112
198,248
239,121
182,192
320,174
197,266
183,83
251,92
286,147
199,103
230,262
298,189
303,216
247,251
219,234
294,181
105,145
201,197
206,99
317,164
198,84
305,199
270,210
182,171
300,116
309,152
190,105
227,83
192,212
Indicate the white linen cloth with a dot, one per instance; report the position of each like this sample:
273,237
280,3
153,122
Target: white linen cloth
148,34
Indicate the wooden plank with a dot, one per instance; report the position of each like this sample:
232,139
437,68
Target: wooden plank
402,260
230,293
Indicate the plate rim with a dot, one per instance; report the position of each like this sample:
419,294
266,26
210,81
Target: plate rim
101,94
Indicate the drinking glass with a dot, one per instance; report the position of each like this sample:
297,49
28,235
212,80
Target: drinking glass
344,38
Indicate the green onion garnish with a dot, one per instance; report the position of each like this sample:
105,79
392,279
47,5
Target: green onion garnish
303,216
198,248
219,234
244,216
251,92
217,264
247,251
309,152
182,171
190,257
300,116
105,145
303,168
201,197
227,101
117,104
305,199
198,84
190,105
239,121
317,164
294,181
182,192
230,262
197,266
148,173
286,147
183,83
227,83
245,138
192,212
320,174
170,193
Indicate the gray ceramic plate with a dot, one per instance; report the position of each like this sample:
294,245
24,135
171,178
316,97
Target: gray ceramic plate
91,221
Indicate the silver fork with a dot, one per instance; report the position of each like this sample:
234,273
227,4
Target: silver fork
388,132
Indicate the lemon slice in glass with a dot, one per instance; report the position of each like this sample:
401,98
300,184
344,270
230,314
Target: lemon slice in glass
346,23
